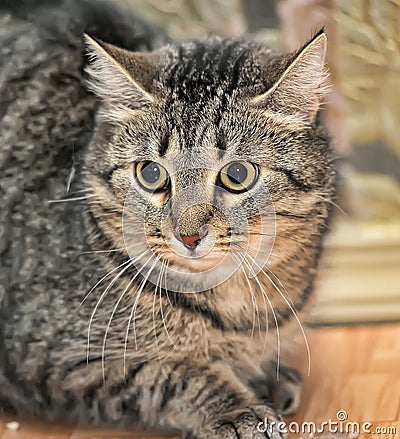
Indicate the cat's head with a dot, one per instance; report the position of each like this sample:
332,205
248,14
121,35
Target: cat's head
203,151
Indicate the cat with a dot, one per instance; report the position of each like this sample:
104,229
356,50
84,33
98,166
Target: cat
163,207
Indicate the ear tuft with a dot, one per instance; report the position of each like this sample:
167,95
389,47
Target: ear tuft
119,77
301,88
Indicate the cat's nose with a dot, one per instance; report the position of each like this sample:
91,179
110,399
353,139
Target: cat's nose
191,241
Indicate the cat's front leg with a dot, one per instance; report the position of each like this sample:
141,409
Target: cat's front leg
203,401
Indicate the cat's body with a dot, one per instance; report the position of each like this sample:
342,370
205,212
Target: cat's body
195,362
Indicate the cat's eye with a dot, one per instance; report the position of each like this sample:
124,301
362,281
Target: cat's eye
238,176
152,176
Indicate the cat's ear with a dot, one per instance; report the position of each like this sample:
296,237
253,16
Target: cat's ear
120,77
302,86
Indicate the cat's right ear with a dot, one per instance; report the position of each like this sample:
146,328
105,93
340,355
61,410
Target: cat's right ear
119,77
299,91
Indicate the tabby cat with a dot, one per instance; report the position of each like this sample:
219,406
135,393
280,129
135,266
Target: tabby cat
162,213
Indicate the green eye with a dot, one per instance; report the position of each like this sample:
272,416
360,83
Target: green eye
152,176
238,176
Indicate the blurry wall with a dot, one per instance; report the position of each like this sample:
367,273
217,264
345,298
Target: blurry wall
182,19
362,264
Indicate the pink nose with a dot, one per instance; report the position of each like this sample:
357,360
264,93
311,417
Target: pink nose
191,241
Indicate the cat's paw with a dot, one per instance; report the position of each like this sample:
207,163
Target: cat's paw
283,394
286,392
257,422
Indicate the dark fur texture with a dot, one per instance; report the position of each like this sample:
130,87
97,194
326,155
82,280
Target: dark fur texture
193,362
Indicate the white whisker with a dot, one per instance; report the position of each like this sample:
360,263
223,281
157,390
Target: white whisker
296,317
99,301
157,286
321,196
166,286
133,311
274,316
66,200
113,250
101,280
284,288
102,251
114,311
80,191
253,299
161,308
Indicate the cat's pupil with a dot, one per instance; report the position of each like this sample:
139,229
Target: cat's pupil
237,173
151,172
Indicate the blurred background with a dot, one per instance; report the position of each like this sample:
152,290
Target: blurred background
360,276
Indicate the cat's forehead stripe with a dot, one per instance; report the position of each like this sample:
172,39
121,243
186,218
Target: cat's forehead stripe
221,144
164,145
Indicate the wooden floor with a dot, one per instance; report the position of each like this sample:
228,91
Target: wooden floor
355,370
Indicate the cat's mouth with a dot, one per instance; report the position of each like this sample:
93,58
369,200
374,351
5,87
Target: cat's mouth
210,249
189,264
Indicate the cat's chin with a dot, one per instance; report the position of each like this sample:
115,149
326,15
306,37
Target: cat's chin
201,264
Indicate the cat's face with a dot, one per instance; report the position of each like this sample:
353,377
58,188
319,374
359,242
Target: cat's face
202,151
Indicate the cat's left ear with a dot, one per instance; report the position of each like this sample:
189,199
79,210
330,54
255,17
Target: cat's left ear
302,86
119,77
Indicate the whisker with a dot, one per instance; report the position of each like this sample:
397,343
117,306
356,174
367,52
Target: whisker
296,317
132,234
157,287
98,303
321,196
113,250
258,250
161,308
113,313
266,314
166,287
102,251
66,200
288,301
127,264
254,302
101,280
133,311
275,319
276,235
80,191
72,173
146,278
283,286
269,235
